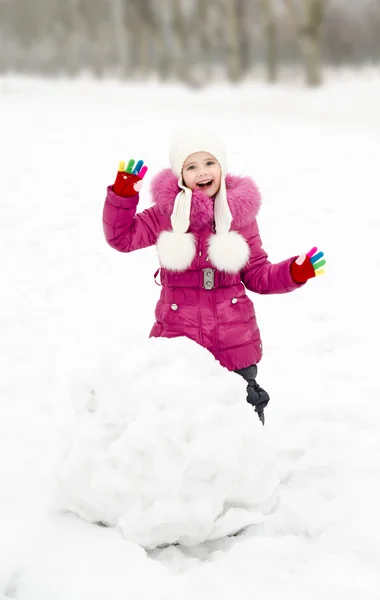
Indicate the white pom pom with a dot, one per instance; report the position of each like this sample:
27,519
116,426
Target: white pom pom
176,251
228,252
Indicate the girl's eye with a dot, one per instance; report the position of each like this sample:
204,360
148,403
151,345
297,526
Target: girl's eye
190,167
210,162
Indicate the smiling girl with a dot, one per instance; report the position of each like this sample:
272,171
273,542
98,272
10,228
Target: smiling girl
203,223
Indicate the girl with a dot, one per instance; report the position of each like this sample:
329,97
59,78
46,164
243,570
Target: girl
203,223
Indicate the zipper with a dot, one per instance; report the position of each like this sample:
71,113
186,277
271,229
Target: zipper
216,344
199,254
213,292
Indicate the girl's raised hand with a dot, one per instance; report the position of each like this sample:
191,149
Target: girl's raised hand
307,266
129,178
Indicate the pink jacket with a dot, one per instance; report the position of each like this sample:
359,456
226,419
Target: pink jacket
221,319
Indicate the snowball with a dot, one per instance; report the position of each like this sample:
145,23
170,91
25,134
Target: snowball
163,446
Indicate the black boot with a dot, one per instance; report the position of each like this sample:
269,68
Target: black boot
256,395
260,414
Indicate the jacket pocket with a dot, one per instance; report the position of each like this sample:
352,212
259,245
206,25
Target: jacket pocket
237,309
166,313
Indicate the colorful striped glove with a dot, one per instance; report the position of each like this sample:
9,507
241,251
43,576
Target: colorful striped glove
307,266
128,180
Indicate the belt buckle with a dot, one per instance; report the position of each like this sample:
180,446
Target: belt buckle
208,278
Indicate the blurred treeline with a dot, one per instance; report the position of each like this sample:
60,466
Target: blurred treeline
192,41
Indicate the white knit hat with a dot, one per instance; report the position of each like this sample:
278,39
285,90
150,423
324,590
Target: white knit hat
228,251
183,144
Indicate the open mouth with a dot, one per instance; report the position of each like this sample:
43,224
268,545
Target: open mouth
205,184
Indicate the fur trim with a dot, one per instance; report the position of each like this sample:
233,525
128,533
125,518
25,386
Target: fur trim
243,198
176,251
228,252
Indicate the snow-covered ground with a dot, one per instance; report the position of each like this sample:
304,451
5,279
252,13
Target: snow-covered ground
73,312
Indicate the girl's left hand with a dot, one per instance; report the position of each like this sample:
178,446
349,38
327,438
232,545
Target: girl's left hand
307,266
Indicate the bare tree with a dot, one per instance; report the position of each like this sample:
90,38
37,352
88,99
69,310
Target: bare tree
233,45
247,13
119,34
163,59
204,38
144,26
190,40
69,30
96,17
308,17
270,39
141,32
180,41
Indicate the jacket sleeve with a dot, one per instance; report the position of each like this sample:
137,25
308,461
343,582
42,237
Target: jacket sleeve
260,275
125,230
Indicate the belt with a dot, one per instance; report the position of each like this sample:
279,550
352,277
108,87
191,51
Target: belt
206,279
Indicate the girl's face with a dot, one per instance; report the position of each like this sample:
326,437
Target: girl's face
202,171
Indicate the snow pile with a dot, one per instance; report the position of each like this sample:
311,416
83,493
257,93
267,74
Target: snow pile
72,561
163,446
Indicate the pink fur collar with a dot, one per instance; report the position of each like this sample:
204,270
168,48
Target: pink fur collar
242,194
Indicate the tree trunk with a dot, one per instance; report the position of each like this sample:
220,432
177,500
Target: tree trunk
72,31
119,37
204,39
143,50
312,43
311,50
234,64
181,61
270,39
308,28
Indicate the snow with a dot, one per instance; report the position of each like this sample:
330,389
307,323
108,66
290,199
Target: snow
164,449
74,321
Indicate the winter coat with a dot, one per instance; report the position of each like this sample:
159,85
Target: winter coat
221,319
